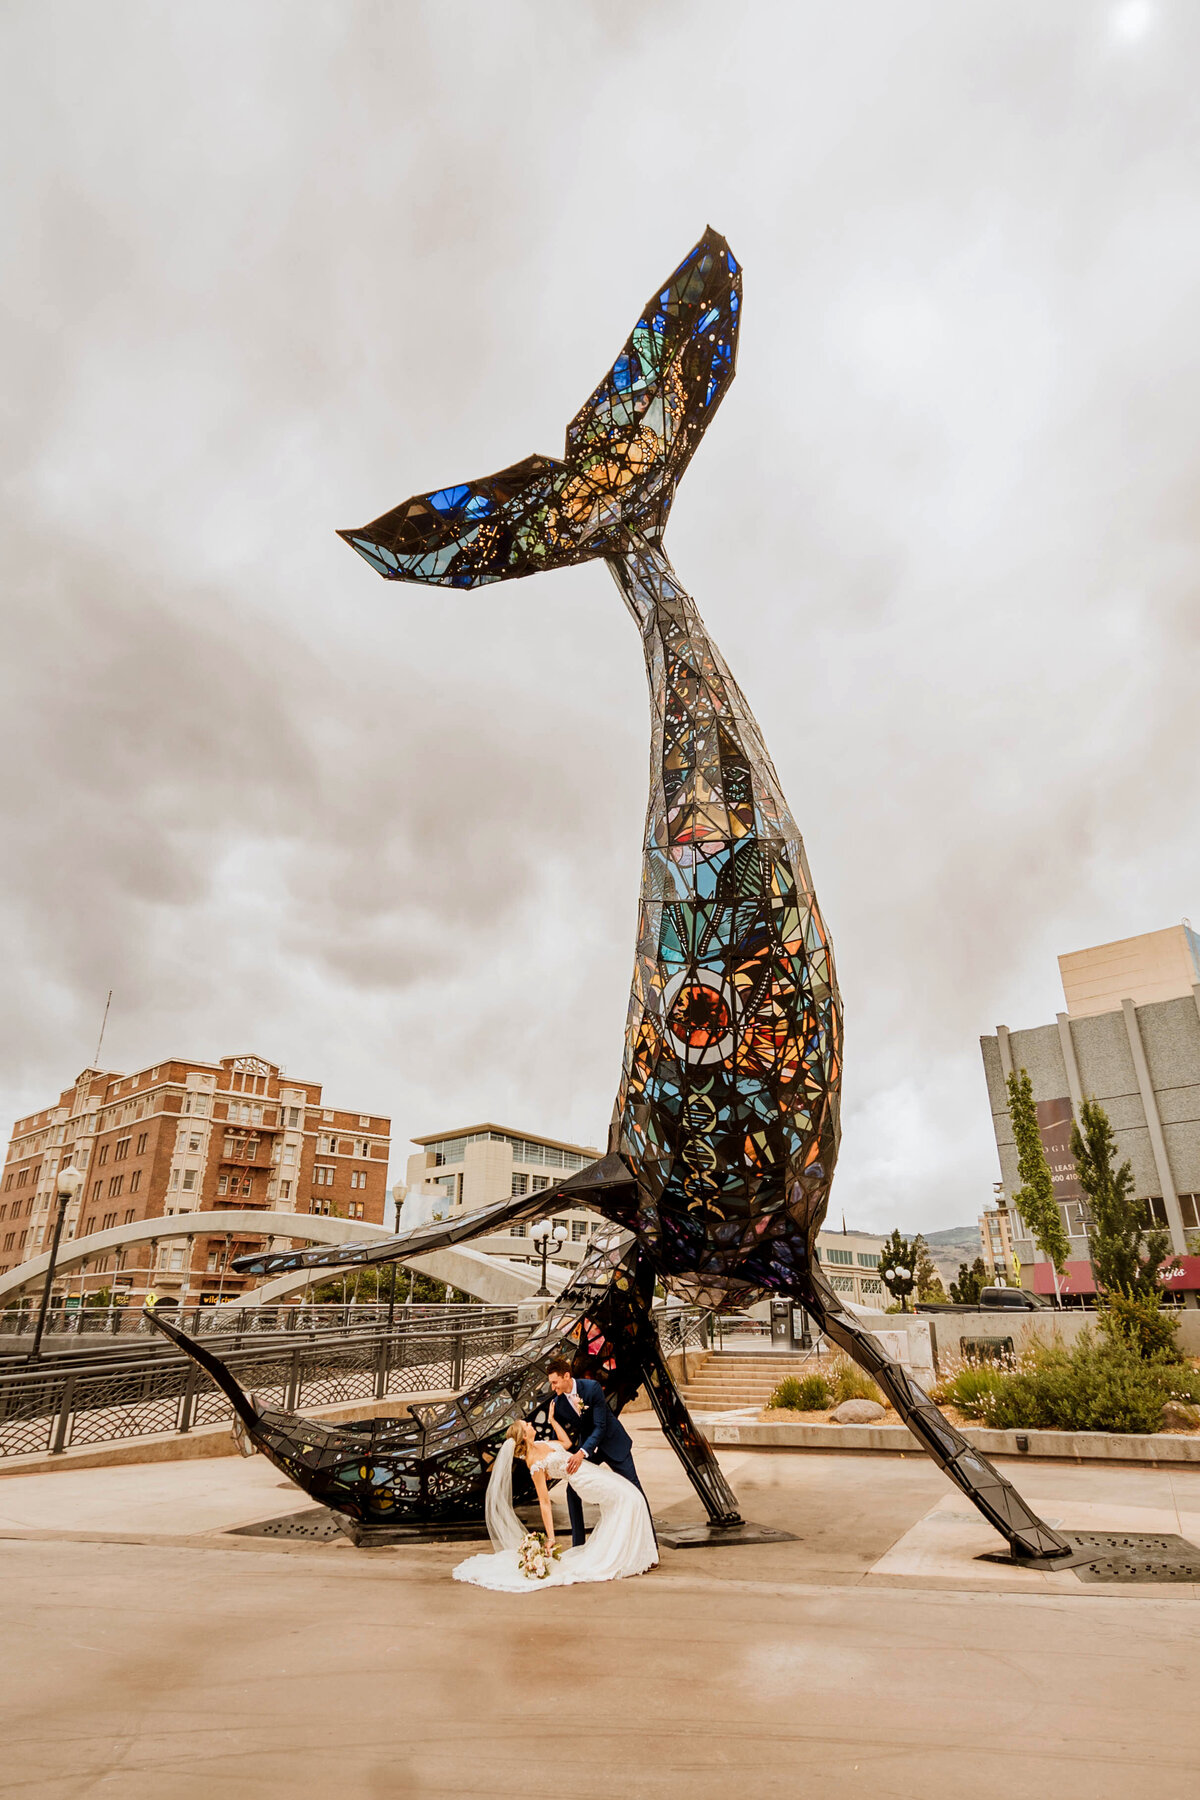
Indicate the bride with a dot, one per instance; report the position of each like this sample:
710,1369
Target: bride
622,1543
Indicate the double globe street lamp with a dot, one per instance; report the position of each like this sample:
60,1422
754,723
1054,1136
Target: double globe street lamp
69,1182
548,1234
901,1278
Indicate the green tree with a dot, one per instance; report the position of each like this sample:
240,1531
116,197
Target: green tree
970,1284
929,1282
1034,1199
898,1267
1125,1256
374,1285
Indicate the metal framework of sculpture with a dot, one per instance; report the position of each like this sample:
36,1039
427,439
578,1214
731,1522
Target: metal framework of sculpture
725,1129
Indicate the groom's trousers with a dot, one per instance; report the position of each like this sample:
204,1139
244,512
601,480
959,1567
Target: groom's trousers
623,1465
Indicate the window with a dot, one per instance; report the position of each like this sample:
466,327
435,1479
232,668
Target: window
194,1142
293,1115
325,1146
838,1256
108,1221
356,1209
871,1286
578,1230
174,1178
8,1182
200,1104
10,1240
122,1149
867,1260
103,1156
516,1231
520,1184
540,1182
135,1181
212,1262
130,1214
90,1226
177,1260
842,1284
1189,1206
319,1206
362,1147
143,1140
116,1183
289,1153
358,1178
96,1187
1073,1217
323,1175
285,1190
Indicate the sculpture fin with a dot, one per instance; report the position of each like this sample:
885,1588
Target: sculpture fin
626,449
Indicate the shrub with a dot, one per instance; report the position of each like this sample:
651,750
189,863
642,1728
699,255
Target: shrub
971,1388
1141,1323
1096,1385
849,1382
801,1393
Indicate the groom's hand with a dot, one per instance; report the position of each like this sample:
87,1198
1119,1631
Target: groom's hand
574,1461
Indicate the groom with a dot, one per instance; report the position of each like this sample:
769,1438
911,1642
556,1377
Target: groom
596,1434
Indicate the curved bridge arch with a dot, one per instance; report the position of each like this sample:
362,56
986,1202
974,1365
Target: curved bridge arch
487,1278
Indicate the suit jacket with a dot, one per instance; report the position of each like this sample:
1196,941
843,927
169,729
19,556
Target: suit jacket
594,1429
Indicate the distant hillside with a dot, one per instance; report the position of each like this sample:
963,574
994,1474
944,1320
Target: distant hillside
959,1237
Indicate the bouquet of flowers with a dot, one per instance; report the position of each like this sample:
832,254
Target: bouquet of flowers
533,1558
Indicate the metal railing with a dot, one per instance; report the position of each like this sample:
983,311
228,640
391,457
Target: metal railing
46,1407
78,1398
92,1323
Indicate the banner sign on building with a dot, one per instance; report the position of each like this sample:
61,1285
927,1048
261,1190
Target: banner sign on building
1055,1119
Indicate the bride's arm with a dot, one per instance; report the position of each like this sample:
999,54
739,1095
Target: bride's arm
543,1494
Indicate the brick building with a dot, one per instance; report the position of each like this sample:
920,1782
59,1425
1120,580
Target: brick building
184,1137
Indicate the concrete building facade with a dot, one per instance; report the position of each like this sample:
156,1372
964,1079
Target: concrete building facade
482,1163
1141,1059
183,1137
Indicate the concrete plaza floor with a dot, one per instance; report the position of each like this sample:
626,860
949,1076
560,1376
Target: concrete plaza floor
146,1651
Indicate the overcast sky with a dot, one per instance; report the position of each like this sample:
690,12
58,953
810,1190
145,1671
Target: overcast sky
269,269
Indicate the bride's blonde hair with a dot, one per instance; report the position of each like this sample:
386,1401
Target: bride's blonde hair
520,1445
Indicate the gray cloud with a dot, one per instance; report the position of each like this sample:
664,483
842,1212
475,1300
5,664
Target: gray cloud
264,279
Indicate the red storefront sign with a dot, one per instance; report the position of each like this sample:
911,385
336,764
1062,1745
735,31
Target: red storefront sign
1077,1277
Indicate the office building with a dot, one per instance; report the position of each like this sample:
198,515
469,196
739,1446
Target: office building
1129,1038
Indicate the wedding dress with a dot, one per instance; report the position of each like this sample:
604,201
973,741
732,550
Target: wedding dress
621,1544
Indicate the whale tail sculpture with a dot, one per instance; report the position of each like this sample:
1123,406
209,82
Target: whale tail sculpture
725,1128
626,449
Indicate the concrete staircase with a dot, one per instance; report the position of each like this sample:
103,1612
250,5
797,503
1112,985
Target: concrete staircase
731,1379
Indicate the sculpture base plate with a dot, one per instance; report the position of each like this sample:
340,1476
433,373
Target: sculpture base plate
703,1536
1139,1557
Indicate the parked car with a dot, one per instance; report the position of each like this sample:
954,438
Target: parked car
1007,1299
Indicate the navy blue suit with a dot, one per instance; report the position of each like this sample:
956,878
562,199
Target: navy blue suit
600,1435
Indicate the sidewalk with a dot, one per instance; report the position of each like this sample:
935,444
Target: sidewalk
872,1657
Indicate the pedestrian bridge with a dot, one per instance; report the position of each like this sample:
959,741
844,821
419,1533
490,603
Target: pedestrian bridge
492,1279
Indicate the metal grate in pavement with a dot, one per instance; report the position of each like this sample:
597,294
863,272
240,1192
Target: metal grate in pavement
1135,1556
316,1523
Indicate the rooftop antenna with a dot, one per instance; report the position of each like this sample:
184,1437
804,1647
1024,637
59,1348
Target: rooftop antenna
103,1023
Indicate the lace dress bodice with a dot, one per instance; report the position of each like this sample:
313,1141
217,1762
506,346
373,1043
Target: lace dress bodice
553,1463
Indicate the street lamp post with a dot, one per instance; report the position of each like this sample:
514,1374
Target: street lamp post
546,1234
901,1279
70,1180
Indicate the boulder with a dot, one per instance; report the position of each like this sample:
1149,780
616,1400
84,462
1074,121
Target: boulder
1180,1415
857,1412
